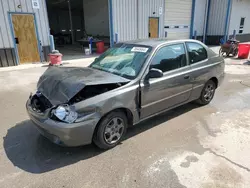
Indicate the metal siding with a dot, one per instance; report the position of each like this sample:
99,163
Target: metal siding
23,8
146,8
6,6
46,51
11,6
2,26
5,26
131,17
199,16
46,31
7,57
29,6
124,19
240,9
39,18
16,3
217,17
1,38
41,24
3,60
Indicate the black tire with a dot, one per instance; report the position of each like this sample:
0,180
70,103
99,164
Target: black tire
100,136
204,99
235,52
222,53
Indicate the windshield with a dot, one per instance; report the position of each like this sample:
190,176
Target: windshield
125,60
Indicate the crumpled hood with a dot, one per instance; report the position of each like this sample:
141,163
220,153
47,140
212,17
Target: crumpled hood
60,84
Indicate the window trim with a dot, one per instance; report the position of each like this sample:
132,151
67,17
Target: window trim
202,61
241,27
166,45
244,21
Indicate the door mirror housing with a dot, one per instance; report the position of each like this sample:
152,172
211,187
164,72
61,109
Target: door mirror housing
154,73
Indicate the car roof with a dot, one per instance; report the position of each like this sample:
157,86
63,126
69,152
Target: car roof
157,42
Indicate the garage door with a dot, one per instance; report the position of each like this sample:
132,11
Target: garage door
177,19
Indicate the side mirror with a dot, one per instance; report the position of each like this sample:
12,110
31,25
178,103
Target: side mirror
154,73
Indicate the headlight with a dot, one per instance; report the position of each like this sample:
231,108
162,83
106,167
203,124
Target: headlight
65,113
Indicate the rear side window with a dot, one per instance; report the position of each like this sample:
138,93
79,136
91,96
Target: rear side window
196,52
169,58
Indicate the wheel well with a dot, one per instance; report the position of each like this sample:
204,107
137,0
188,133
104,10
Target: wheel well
215,80
126,111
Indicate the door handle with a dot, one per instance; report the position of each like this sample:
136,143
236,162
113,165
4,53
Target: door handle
186,77
17,41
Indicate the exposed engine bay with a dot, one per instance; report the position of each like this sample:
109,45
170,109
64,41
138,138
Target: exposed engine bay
74,84
91,91
40,103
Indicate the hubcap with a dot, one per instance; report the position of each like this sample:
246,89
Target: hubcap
209,92
114,130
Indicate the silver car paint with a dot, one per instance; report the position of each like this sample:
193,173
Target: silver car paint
172,90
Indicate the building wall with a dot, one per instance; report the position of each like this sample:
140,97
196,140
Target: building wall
199,16
146,9
6,41
240,8
124,19
96,16
217,17
26,7
131,18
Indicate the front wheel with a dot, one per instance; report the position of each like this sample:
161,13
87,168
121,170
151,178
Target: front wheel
207,93
111,130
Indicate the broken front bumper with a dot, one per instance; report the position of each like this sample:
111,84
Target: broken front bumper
74,134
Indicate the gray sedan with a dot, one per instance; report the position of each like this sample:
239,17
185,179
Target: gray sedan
129,83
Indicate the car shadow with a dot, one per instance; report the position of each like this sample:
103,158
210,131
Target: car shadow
247,62
31,152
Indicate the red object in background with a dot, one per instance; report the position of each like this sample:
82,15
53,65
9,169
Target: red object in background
243,51
100,47
55,59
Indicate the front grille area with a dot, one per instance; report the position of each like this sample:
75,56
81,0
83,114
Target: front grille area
40,103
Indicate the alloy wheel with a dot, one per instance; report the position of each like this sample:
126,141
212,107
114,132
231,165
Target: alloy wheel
209,92
114,130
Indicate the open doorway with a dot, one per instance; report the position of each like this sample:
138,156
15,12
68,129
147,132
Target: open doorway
72,22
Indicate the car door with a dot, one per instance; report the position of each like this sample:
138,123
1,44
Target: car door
198,60
173,88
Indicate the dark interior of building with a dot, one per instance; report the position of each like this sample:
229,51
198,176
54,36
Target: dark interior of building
73,22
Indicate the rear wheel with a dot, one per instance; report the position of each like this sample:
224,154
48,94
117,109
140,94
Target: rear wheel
235,53
111,130
207,93
222,53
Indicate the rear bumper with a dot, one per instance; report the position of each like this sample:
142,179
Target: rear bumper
75,134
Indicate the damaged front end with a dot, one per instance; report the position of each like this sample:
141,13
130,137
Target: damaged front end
60,88
53,107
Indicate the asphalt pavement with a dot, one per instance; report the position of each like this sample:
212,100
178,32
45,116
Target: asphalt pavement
188,147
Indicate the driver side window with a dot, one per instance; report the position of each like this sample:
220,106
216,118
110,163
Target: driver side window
169,58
